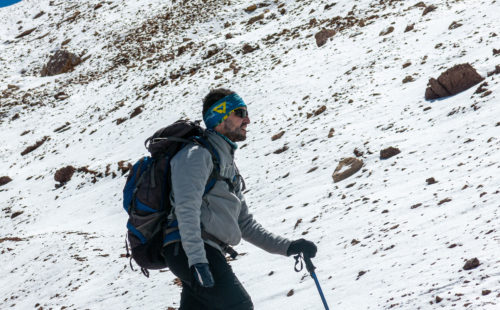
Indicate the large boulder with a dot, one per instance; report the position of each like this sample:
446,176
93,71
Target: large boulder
452,81
4,180
61,62
64,174
346,168
323,36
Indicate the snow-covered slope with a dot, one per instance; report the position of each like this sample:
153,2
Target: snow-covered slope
387,238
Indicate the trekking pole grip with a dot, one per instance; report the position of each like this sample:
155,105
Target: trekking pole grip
309,265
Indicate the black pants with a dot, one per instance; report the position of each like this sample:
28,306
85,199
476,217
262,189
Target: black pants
227,294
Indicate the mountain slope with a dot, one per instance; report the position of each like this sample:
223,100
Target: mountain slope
387,238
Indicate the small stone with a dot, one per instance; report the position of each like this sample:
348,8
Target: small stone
25,33
438,299
331,132
247,48
389,152
471,264
251,8
290,293
64,174
454,25
277,136
431,181
4,180
408,79
429,9
409,27
485,292
346,168
386,31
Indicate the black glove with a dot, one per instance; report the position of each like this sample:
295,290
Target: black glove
202,275
306,247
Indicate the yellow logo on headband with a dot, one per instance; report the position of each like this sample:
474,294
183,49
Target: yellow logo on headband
221,108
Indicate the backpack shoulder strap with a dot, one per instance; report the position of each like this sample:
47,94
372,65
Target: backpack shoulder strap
215,175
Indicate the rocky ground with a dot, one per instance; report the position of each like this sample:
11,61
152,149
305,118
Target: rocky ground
375,133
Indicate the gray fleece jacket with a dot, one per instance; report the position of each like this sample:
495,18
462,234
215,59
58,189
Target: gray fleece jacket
222,213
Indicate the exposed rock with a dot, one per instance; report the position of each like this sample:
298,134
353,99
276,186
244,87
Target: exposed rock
61,62
346,168
358,153
255,19
409,27
278,135
471,264
485,292
431,181
38,15
251,8
331,132
386,31
454,25
444,201
33,147
281,150
429,9
323,36
16,214
452,81
61,96
63,175
438,299
137,111
4,180
120,120
290,293
320,110
247,48
408,79
389,152
12,239
482,88
124,166
496,51
496,71
211,52
406,65
25,33
360,274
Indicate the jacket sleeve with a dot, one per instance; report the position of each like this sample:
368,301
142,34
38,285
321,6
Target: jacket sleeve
190,169
254,233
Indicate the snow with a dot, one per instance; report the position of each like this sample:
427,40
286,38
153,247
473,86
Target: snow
413,240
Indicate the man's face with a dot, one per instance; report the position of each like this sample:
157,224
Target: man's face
234,127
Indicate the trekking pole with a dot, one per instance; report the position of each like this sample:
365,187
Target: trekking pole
310,267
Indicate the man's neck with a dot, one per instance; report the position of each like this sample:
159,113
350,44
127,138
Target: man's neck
233,145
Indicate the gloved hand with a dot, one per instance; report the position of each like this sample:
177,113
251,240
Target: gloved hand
306,247
202,275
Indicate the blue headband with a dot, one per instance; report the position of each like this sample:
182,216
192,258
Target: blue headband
220,110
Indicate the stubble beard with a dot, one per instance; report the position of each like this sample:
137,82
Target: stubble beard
236,135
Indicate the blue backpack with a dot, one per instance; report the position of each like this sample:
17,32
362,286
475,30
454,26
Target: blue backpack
146,196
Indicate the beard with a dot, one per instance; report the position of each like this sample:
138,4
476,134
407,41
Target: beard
237,134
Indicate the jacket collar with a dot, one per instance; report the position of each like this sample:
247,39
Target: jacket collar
221,142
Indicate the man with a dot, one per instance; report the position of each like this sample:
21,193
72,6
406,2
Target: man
209,221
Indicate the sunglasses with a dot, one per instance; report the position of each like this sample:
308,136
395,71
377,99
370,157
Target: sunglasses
242,113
